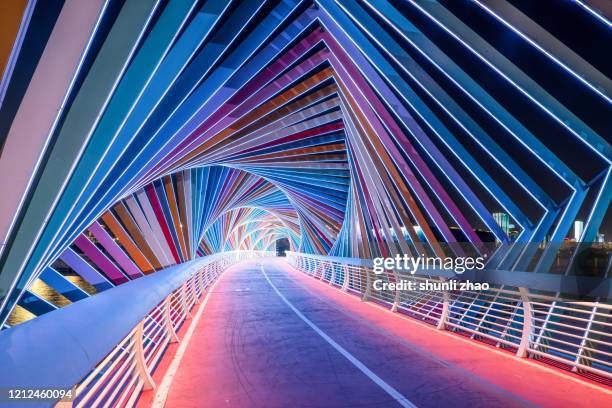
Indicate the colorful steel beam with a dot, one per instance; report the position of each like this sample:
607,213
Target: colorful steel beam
352,128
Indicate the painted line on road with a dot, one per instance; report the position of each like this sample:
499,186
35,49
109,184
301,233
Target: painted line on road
403,401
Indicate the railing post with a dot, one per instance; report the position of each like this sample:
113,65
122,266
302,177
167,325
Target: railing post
445,309
332,277
368,289
200,276
347,277
584,340
184,306
396,297
205,273
173,338
194,288
141,365
527,318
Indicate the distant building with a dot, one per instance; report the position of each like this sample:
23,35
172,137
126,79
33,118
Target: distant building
578,229
503,220
600,238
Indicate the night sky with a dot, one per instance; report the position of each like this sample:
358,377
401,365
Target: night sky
570,23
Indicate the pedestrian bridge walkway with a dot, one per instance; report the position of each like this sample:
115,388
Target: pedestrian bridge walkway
247,329
270,336
153,154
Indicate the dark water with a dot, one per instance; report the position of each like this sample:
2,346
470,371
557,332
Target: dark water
49,294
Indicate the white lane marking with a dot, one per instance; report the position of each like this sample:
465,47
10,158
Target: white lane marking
161,393
403,401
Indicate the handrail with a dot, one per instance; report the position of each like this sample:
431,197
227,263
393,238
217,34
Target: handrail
514,313
59,349
347,261
85,331
569,285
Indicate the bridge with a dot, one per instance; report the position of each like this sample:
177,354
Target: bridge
213,203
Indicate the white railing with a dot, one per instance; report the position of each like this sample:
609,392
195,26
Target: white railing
575,335
102,351
127,370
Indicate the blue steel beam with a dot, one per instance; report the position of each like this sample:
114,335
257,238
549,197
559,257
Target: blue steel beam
66,288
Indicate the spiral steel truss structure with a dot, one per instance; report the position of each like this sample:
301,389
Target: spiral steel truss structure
140,134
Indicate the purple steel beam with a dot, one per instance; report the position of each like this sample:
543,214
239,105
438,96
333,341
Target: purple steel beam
226,100
85,270
100,260
115,251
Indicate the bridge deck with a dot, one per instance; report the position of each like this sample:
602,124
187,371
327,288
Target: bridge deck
282,339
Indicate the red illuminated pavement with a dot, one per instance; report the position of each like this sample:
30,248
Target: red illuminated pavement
306,344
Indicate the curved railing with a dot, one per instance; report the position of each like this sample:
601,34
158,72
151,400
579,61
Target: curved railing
522,312
105,348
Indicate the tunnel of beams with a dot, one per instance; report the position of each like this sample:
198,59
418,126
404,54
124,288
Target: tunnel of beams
192,128
260,191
